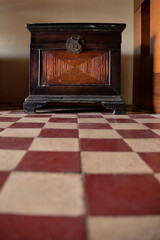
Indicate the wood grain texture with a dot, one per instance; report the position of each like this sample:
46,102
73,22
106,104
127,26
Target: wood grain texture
62,67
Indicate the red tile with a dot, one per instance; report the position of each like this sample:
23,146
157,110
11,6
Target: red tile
89,116
63,120
152,125
8,119
27,125
122,194
121,120
152,159
141,116
59,133
38,115
3,178
15,143
104,145
21,227
94,126
138,134
50,162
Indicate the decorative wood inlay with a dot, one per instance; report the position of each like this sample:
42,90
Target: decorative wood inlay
61,67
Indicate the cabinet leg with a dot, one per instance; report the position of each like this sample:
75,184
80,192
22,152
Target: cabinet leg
118,108
30,106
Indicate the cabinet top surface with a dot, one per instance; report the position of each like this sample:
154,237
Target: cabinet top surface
119,27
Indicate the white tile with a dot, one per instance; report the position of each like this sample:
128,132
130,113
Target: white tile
131,126
34,120
43,194
4,112
90,113
53,125
115,116
13,115
113,163
98,133
92,120
156,115
147,120
124,228
5,124
58,115
20,132
156,131
157,176
55,144
144,145
9,159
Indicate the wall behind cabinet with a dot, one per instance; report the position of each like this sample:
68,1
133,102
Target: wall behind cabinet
14,37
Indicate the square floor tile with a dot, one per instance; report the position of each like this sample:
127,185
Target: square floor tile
27,125
110,145
38,115
4,111
121,120
8,119
17,132
92,120
138,134
10,158
50,162
3,178
98,133
144,145
43,194
55,144
152,125
157,176
152,159
122,228
113,163
156,115
122,194
14,115
34,120
109,116
141,116
5,124
148,120
41,227
89,116
94,126
128,126
64,115
12,143
54,125
19,111
63,120
157,131
59,133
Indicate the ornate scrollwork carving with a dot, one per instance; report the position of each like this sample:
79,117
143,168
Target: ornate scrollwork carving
75,44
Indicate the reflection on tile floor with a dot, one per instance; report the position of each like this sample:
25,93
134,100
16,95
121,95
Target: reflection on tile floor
79,176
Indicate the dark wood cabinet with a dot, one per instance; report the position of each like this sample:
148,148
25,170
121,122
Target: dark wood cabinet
75,63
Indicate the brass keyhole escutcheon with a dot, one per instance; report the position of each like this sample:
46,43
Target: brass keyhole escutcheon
75,44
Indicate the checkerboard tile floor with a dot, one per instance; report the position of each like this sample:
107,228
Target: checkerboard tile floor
86,176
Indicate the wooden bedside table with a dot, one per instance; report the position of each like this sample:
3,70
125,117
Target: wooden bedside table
75,63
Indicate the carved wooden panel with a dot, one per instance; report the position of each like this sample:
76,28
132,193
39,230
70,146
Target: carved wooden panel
62,67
